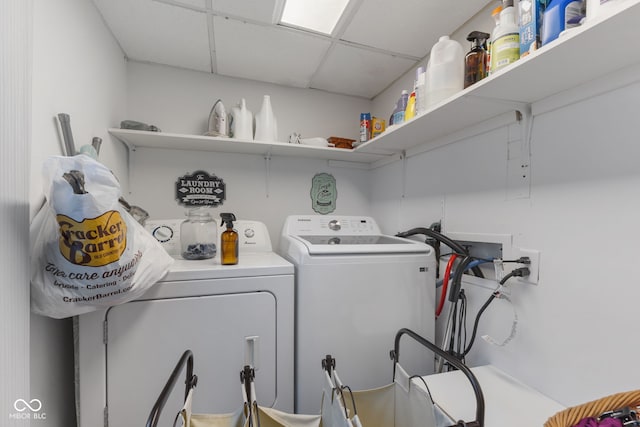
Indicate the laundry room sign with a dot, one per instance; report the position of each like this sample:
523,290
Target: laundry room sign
323,193
200,189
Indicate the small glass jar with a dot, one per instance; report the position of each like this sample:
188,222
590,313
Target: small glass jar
198,235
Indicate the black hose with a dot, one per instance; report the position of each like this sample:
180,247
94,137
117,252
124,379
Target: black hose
443,239
518,272
456,282
475,324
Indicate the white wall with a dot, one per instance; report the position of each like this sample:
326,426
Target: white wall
78,69
179,101
581,215
15,141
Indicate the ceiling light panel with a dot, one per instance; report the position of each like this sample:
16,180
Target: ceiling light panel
265,53
317,15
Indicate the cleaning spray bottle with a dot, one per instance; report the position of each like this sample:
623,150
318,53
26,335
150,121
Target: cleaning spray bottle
475,62
228,241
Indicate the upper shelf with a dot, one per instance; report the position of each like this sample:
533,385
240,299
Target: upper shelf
173,141
585,53
582,55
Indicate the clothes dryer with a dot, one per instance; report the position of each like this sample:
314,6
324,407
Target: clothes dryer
355,288
228,315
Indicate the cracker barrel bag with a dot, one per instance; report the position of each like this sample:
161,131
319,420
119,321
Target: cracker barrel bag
87,251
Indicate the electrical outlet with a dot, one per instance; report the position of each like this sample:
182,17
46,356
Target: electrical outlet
534,266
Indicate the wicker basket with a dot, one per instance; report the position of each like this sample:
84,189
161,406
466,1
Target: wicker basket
571,416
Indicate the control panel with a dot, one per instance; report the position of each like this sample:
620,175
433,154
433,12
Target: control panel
253,236
332,225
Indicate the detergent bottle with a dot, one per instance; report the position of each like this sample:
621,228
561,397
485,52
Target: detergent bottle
445,70
560,15
228,241
505,43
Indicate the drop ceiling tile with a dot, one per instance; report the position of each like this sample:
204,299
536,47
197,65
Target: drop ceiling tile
377,23
353,71
158,32
264,53
197,4
262,11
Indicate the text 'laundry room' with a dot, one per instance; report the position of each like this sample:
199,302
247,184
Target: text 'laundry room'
409,214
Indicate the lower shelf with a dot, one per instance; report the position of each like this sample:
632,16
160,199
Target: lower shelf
171,141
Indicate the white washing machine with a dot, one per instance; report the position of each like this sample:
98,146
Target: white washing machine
355,288
228,315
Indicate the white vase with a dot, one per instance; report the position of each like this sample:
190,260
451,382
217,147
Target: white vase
242,122
266,125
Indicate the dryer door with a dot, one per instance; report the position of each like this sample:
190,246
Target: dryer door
225,332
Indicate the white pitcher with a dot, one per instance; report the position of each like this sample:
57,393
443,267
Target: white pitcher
266,125
242,122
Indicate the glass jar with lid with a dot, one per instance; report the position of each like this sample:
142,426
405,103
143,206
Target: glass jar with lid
198,235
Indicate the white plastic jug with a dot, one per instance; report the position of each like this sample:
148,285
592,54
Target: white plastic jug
242,123
445,70
266,125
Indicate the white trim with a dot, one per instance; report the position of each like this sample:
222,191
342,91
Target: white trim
15,136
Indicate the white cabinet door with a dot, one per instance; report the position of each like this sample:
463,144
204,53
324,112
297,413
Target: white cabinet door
147,338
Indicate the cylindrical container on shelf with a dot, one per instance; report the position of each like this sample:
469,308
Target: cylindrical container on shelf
410,111
445,70
401,106
505,43
421,90
495,15
242,123
266,125
559,16
365,127
198,235
475,61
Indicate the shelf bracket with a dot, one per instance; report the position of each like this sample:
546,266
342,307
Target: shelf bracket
267,172
519,155
131,152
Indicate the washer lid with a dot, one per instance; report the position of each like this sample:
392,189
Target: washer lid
360,244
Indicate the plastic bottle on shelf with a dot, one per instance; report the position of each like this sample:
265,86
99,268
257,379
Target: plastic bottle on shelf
266,123
421,90
559,16
445,70
410,111
401,106
475,67
495,14
505,45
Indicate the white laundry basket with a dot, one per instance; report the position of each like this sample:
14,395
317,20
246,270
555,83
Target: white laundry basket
249,414
403,403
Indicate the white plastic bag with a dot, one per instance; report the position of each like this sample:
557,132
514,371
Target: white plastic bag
87,251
